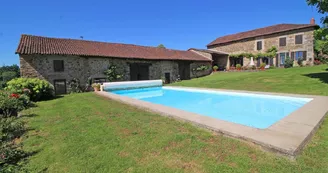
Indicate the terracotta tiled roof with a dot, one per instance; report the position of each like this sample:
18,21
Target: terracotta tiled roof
260,32
49,46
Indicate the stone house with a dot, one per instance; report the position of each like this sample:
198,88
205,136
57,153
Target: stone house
61,60
292,40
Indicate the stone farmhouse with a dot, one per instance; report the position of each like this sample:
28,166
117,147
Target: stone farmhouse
59,60
291,40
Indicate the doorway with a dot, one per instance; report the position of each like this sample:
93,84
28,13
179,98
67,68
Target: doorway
184,70
139,71
60,86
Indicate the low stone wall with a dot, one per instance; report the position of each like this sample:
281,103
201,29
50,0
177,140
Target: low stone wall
195,74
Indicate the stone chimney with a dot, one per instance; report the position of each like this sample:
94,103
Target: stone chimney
312,21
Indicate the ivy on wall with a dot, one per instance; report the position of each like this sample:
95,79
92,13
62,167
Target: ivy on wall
270,53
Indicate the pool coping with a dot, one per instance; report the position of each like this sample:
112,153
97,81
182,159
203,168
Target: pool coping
287,136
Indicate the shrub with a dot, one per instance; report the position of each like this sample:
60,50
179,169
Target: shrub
253,67
288,62
38,89
10,128
300,62
317,62
11,103
215,68
10,153
238,66
112,74
74,86
201,68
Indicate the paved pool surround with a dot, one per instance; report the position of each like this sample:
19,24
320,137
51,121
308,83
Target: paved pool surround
287,136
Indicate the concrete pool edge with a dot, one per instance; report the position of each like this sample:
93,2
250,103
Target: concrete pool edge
288,136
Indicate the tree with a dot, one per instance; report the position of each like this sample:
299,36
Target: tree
7,73
321,40
161,46
322,7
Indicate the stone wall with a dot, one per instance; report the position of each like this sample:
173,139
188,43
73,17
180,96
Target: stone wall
195,74
249,45
82,68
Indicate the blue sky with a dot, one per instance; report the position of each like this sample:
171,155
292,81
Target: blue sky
178,24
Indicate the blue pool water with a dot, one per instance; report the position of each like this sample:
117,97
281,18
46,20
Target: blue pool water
254,110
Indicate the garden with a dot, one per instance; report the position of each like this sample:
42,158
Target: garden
19,94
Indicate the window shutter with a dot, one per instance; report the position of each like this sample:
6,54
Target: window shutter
277,60
259,45
299,39
282,41
292,57
304,55
258,62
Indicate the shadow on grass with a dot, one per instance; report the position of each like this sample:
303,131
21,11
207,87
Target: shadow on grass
321,76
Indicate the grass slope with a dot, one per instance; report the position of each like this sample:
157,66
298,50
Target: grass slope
88,133
305,80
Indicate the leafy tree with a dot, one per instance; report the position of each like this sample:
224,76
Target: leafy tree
322,7
7,73
321,40
161,46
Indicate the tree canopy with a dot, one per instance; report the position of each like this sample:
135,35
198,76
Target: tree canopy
321,35
7,73
161,46
322,7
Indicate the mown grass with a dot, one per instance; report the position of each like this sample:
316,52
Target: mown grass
88,133
302,80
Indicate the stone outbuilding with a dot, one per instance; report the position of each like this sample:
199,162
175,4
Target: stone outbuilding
60,60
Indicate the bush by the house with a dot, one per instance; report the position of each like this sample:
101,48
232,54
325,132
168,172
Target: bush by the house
321,59
112,74
74,86
215,68
36,89
288,62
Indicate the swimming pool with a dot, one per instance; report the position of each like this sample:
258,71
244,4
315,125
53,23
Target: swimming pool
253,110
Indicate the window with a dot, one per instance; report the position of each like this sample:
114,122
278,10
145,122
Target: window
282,41
299,39
282,58
298,55
259,45
58,65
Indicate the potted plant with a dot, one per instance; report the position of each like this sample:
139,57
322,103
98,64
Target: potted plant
262,66
96,86
238,67
215,68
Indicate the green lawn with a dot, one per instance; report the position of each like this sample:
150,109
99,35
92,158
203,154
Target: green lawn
88,133
305,80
